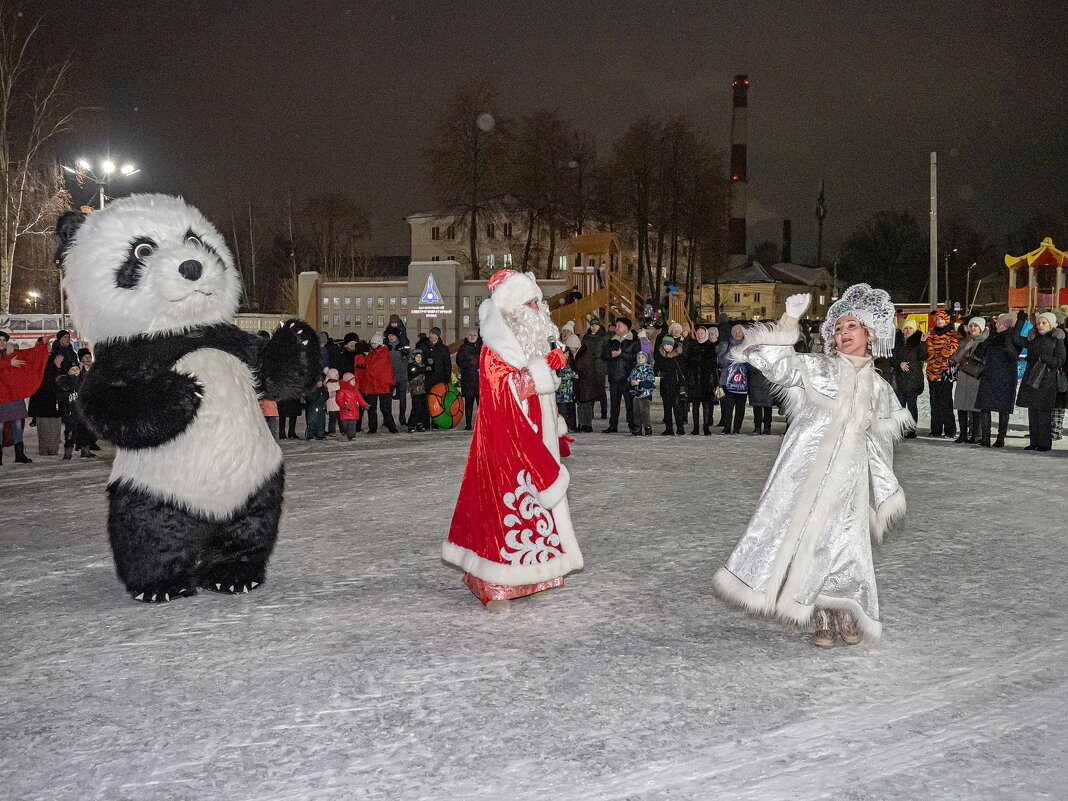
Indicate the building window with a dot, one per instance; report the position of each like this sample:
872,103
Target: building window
507,230
392,303
326,302
450,232
337,303
404,303
435,233
508,260
435,258
737,297
823,299
491,261
404,319
466,302
467,321
348,319
756,297
370,303
478,300
357,320
489,231
337,320
348,302
381,321
381,303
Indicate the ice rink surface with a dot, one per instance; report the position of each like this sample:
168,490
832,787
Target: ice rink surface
364,669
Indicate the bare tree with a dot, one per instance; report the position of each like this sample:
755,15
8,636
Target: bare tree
34,109
335,231
465,167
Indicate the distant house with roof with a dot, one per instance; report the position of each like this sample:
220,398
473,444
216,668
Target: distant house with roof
756,292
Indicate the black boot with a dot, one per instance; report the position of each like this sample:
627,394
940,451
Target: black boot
984,428
20,454
68,452
962,422
973,428
1003,429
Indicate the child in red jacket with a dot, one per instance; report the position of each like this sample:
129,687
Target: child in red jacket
349,401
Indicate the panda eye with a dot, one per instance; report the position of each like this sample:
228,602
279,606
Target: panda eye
143,251
192,240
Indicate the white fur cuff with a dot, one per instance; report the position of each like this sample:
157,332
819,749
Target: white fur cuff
764,334
545,380
555,492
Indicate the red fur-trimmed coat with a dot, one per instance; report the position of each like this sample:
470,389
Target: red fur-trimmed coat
512,524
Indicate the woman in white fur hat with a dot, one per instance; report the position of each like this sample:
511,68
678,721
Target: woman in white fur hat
806,555
1038,388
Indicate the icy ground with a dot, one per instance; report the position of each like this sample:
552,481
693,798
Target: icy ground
364,669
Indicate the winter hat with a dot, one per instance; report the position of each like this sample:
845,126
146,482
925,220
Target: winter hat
873,308
351,336
84,352
509,290
979,321
1060,314
641,356
626,321
376,339
331,374
347,377
568,326
668,340
1051,318
641,334
436,332
596,321
573,341
61,333
675,329
1007,318
6,336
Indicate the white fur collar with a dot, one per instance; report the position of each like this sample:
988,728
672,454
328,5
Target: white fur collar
498,337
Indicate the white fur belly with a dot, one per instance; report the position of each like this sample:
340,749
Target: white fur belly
225,453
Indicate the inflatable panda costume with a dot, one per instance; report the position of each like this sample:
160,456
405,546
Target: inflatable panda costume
195,492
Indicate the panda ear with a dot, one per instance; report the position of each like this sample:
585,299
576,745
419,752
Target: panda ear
67,225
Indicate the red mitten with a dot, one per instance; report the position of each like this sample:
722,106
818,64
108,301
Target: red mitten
565,449
556,359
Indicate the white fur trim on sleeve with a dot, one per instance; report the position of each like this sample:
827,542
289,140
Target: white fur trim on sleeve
561,426
882,518
545,380
895,426
763,334
555,492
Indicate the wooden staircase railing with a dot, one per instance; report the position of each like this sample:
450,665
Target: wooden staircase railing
617,299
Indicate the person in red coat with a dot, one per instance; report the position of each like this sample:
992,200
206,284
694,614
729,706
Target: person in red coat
376,384
349,402
511,530
20,376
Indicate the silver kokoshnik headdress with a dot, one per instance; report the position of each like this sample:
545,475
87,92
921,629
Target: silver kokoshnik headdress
873,308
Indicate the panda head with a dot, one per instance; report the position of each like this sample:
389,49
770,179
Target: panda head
146,264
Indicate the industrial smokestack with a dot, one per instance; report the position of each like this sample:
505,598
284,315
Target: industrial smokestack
738,178
787,249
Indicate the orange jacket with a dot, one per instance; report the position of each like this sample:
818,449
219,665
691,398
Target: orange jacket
941,344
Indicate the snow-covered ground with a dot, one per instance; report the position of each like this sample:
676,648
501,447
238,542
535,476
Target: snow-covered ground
364,669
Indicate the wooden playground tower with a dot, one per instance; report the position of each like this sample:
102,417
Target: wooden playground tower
1046,285
594,268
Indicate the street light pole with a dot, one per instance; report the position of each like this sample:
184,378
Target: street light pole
948,254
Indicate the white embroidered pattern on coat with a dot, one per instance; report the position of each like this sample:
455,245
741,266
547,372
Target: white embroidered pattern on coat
531,537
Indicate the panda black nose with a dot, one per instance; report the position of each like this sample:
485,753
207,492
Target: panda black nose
191,269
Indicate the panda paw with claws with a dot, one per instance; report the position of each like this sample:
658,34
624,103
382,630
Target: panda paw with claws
230,586
161,595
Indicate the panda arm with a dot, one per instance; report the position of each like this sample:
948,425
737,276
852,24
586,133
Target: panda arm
288,362
138,405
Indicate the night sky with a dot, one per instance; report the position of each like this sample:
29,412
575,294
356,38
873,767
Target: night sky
220,99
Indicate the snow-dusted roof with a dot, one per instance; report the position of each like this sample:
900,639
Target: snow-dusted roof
782,273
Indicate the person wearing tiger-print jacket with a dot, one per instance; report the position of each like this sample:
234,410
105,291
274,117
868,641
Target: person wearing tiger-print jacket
942,342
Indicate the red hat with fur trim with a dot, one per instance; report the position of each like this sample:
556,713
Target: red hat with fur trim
510,289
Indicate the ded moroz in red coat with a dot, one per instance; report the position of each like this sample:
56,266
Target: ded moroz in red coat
511,530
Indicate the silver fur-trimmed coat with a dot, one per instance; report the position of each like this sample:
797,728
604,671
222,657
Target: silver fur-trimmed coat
832,488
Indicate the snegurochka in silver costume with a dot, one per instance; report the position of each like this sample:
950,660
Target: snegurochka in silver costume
806,556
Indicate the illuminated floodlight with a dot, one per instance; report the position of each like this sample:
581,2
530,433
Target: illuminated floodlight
127,169
83,164
108,167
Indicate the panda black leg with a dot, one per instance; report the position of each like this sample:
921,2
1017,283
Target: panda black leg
235,559
155,544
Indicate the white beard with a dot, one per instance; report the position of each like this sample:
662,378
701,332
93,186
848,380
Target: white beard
533,328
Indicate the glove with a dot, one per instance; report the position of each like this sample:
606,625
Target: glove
797,305
556,359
